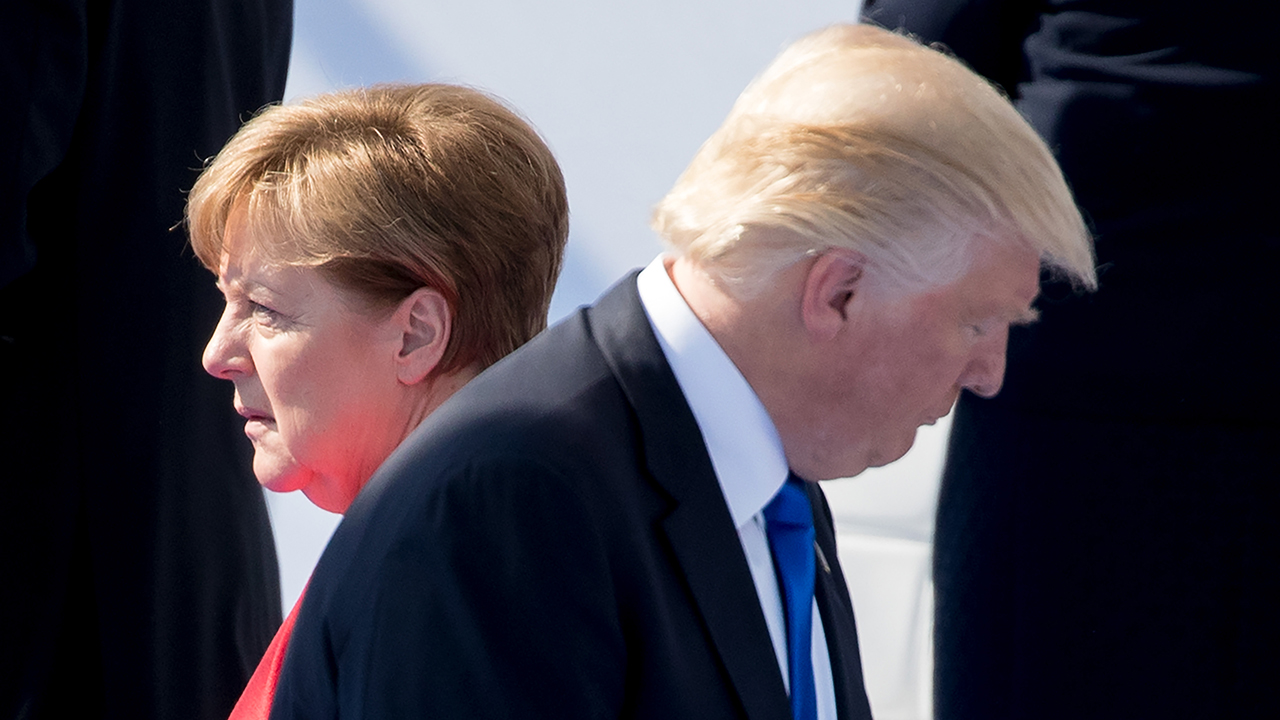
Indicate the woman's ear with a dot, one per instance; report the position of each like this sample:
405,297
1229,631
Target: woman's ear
833,281
424,320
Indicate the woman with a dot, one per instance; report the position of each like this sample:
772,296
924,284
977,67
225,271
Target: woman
377,249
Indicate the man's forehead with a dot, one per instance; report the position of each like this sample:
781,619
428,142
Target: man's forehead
1001,282
1009,277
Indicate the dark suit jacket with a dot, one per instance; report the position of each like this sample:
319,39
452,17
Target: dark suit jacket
1107,544
552,543
139,572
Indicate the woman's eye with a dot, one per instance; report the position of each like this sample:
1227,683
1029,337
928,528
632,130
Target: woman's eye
262,312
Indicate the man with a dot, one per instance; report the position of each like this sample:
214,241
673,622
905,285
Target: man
611,521
1106,543
136,554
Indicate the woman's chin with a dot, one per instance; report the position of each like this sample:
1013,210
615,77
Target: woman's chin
330,499
279,479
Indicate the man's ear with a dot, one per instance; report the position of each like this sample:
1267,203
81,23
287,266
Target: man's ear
830,286
424,321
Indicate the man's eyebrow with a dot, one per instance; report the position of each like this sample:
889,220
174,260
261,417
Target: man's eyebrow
1026,317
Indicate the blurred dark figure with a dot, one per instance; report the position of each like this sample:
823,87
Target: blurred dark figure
137,560
1108,528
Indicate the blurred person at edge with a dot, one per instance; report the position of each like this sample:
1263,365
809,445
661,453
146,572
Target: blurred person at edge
377,249
621,518
1106,543
139,572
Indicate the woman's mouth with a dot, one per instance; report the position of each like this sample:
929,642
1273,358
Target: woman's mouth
257,421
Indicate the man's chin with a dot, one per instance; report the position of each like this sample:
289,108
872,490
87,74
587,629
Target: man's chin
852,463
892,454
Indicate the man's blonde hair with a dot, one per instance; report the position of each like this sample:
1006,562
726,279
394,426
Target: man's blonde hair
859,138
392,188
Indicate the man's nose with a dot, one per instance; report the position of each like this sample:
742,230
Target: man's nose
984,375
225,356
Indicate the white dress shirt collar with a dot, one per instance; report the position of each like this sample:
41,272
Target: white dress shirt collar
745,451
741,439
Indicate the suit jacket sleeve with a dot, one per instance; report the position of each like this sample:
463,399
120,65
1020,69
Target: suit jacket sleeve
135,539
43,64
986,34
502,606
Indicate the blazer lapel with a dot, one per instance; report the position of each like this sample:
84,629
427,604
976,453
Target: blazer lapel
699,528
836,609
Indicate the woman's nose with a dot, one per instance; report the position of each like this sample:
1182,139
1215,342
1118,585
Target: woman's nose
226,355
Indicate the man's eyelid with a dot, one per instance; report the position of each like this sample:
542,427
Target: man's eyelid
1019,318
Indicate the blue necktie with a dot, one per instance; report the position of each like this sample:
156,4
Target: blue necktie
789,524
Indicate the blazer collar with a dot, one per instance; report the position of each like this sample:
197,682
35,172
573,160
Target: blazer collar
836,608
699,528
741,440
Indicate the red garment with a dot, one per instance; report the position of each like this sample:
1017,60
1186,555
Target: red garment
255,701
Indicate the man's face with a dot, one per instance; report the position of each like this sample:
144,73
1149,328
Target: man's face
901,360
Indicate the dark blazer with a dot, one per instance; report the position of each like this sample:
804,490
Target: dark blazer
552,542
1106,542
138,567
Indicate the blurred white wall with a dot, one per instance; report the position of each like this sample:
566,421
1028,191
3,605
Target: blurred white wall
625,92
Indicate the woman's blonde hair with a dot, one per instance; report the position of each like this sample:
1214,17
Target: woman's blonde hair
859,138
391,188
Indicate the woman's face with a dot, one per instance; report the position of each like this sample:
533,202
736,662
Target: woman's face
314,375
